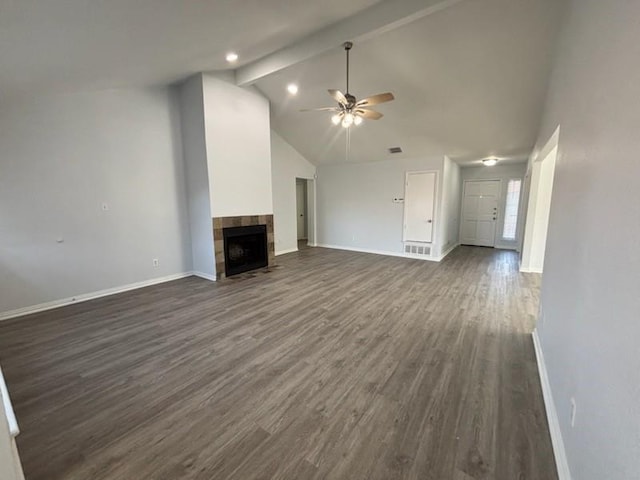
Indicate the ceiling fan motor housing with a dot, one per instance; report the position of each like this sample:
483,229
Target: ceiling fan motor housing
351,100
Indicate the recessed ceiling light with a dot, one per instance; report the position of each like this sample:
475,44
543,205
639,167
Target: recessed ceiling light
292,88
489,162
232,57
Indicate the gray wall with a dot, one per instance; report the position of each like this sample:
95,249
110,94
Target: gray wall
590,329
60,159
451,198
238,136
197,176
287,165
355,203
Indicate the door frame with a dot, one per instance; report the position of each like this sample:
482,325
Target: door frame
302,184
499,218
436,204
529,226
312,210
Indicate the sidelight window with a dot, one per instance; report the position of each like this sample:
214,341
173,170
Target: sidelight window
511,209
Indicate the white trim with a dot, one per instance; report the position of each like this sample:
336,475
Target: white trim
381,252
447,252
503,246
8,409
530,270
289,250
206,276
553,142
41,307
559,452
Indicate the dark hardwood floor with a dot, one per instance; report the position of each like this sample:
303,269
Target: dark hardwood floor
335,365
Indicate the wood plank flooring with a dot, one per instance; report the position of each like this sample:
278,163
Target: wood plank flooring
335,365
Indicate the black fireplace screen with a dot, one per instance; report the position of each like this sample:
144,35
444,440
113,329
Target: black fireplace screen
245,248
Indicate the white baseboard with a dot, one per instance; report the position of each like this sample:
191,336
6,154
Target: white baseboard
283,252
380,252
559,453
206,276
530,270
448,251
90,296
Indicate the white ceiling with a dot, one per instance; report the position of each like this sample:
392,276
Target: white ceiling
469,80
68,45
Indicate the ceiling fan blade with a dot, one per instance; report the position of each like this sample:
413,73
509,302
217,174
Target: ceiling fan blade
375,99
368,114
338,96
321,109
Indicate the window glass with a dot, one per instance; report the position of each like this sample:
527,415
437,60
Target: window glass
511,209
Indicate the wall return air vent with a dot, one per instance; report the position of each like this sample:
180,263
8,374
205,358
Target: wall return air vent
417,250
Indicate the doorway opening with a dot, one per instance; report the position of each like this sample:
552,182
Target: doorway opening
541,176
304,207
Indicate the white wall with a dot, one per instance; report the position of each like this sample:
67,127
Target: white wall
287,165
197,176
238,148
355,203
10,468
61,158
538,209
451,198
589,330
503,173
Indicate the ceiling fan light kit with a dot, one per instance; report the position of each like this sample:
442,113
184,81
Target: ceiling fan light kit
350,111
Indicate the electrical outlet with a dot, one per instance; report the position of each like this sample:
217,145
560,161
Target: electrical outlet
573,412
156,262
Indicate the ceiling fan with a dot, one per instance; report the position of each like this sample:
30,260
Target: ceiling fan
351,111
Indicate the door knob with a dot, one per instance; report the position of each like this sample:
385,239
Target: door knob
429,221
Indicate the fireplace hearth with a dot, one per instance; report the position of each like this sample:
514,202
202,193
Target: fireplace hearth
245,249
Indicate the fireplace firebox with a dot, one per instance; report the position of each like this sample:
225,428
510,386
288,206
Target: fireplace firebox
245,249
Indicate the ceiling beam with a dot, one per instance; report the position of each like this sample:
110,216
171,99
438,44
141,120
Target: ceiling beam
381,17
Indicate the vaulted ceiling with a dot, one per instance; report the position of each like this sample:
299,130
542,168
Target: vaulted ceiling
469,77
469,82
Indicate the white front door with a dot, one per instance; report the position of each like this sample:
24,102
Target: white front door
419,200
480,212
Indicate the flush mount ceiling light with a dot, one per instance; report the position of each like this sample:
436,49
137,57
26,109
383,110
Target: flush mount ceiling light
350,111
489,162
232,57
292,88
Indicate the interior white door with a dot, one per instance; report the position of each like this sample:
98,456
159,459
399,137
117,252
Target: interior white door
419,202
480,212
300,210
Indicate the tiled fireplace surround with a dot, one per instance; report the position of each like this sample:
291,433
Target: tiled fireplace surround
243,221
